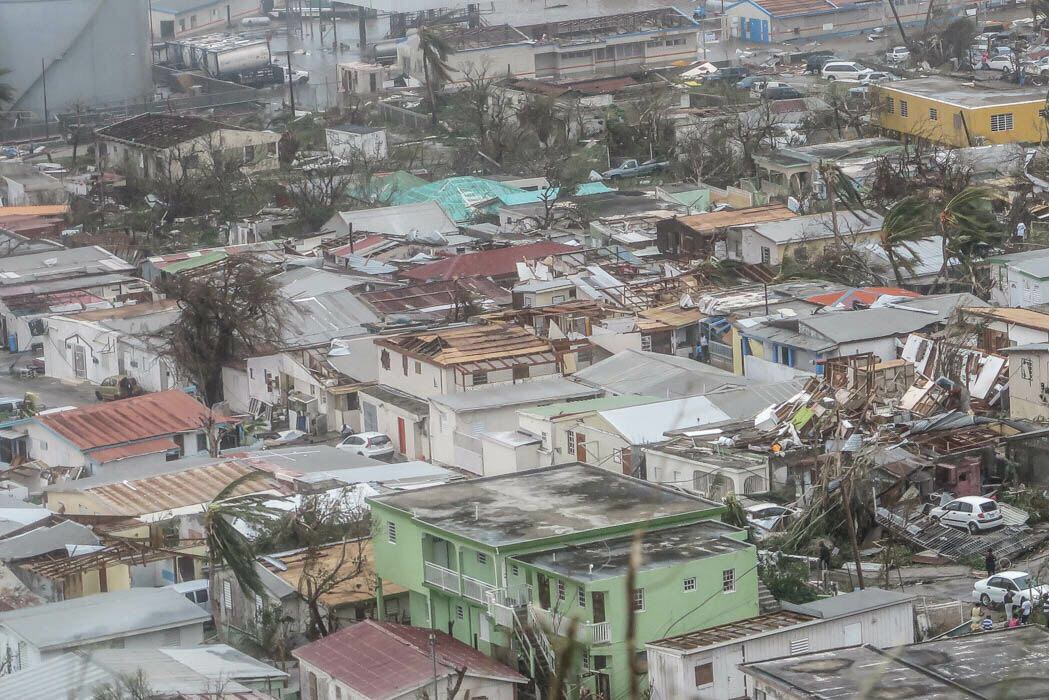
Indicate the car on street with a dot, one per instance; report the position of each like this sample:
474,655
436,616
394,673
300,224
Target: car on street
728,74
284,438
375,445
752,81
845,71
632,168
991,590
999,63
759,89
877,76
781,92
897,54
119,386
973,513
815,63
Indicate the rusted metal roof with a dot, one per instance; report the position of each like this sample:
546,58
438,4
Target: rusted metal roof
433,295
732,631
160,130
489,263
182,489
128,420
454,346
669,316
134,449
736,217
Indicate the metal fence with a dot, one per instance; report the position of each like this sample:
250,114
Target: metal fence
404,117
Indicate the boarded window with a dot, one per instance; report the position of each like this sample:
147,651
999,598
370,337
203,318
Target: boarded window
704,675
480,378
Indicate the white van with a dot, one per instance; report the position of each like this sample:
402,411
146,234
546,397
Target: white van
846,71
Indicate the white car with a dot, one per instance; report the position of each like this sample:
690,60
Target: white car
973,513
1000,63
846,71
368,444
758,88
768,517
897,54
991,590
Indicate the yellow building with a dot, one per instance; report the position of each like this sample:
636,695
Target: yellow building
961,114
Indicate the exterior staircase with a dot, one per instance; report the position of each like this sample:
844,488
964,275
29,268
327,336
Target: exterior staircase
766,602
536,652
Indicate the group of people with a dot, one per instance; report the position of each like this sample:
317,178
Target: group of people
1015,615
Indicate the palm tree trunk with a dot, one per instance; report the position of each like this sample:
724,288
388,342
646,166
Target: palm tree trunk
429,91
894,262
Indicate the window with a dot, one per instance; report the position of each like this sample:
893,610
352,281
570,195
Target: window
903,108
799,646
890,105
271,148
480,377
202,442
581,598
766,255
689,584
313,686
249,154
227,596
1002,122
482,558
338,693
514,571
520,372
192,162
570,436
119,643
384,359
391,532
418,367
258,606
728,580
617,456
646,343
459,614
933,114
404,364
637,601
560,590
704,675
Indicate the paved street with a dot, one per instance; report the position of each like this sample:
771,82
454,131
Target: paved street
52,392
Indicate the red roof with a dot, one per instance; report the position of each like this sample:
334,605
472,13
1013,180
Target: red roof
383,660
128,420
865,295
487,263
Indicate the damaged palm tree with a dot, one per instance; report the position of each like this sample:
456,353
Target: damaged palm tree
228,312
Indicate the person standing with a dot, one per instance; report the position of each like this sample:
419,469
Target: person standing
704,347
990,562
824,556
1026,608
1008,601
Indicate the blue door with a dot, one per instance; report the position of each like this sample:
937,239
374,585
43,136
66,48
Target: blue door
765,31
758,30
755,30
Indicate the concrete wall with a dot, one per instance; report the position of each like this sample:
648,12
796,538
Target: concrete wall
445,424
956,126
217,16
1029,386
256,150
700,478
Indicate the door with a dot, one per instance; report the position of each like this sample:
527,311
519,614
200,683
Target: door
755,30
371,417
167,28
598,600
79,361
580,447
186,570
402,443
765,31
544,591
121,362
853,635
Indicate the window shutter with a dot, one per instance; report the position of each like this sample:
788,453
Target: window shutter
227,596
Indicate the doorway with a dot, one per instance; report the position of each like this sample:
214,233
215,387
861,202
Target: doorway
543,584
580,447
401,441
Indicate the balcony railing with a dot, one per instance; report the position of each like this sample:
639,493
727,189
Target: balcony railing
586,632
502,601
476,590
599,632
442,578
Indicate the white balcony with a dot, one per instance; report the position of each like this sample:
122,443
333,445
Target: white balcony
502,602
442,578
586,632
599,632
476,590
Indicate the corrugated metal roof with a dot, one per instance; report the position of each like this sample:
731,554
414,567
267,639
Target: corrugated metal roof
655,374
733,631
128,420
135,449
381,660
498,395
736,217
453,346
641,425
488,263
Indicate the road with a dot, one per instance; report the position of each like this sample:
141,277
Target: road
51,392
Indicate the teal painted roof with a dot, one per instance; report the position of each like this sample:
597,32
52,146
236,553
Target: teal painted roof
458,195
534,197
603,404
383,188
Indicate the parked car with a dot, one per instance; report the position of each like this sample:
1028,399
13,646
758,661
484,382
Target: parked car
759,89
973,513
845,71
815,63
785,92
375,445
727,74
876,33
999,63
992,590
11,406
876,77
284,438
768,517
632,168
119,386
752,81
897,54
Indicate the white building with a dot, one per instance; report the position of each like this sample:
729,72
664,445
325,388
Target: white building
94,345
1020,279
353,142
460,423
176,18
705,664
137,618
771,242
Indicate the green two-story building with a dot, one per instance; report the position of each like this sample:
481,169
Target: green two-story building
504,563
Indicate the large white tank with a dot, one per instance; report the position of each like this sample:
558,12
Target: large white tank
94,52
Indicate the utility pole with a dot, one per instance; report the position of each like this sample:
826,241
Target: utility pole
433,655
291,85
43,80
